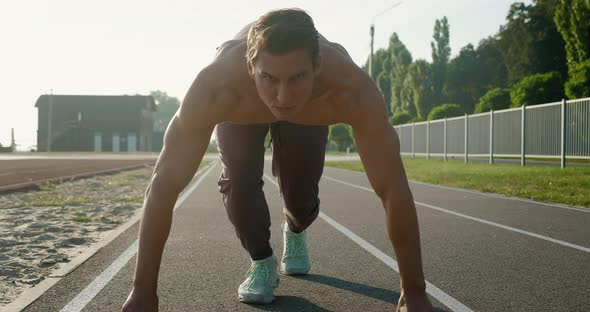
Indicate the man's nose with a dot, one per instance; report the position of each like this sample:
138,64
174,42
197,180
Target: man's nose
283,97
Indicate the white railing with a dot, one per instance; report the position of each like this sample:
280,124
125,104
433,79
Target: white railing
554,130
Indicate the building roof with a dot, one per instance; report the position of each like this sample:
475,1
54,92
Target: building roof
137,100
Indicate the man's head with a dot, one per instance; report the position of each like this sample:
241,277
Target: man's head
283,59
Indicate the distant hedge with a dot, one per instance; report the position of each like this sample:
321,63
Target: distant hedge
399,118
537,89
446,110
495,99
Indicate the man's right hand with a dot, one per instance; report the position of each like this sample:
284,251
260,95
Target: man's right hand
138,301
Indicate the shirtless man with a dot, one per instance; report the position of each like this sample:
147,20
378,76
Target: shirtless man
278,71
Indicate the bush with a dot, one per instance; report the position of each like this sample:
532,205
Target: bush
537,89
445,110
400,118
340,134
578,86
495,99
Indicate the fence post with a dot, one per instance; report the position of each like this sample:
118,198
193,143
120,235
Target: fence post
491,136
445,138
466,138
413,152
428,139
522,135
563,133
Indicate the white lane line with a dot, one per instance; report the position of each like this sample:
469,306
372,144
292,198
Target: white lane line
501,196
546,238
434,291
84,297
562,206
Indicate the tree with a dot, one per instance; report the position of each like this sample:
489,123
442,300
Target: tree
441,51
167,107
400,60
571,18
384,85
445,110
340,134
465,82
529,42
537,89
420,84
495,99
578,86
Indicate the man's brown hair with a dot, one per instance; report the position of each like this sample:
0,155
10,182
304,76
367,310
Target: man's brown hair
283,31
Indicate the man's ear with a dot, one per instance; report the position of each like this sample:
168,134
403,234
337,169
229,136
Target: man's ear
250,69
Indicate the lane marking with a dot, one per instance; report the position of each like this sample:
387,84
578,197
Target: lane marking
501,196
562,206
434,291
546,238
86,295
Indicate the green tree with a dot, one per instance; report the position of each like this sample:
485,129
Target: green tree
572,19
465,79
384,85
167,107
340,134
496,99
537,89
441,51
400,58
420,84
445,110
578,86
529,41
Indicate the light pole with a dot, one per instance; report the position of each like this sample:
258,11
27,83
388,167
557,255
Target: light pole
372,32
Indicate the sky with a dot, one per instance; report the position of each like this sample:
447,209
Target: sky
114,47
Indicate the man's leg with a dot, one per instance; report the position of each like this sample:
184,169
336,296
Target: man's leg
241,150
298,161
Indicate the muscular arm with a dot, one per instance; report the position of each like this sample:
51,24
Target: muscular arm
185,141
379,149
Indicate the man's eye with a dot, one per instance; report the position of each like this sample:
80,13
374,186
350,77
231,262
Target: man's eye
266,76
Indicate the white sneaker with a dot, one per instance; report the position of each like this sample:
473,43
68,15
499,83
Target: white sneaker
261,281
295,256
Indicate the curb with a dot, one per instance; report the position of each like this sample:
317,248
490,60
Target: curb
31,294
34,184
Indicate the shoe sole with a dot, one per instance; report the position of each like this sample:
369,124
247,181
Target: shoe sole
258,298
294,272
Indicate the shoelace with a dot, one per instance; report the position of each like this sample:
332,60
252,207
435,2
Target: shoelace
295,247
258,272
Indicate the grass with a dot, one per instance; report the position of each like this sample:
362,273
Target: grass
81,219
56,199
131,199
569,186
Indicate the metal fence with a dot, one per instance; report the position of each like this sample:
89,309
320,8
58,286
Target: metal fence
554,130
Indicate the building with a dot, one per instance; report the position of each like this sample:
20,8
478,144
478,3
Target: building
95,123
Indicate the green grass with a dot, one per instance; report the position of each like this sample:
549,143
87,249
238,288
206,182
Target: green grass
546,184
56,199
81,219
131,199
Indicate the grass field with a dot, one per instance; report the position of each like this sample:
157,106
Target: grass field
569,186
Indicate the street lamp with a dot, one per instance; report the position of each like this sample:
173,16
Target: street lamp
372,32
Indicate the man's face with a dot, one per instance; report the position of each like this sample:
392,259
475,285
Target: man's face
284,82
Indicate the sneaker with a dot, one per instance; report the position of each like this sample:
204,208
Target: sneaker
261,281
295,257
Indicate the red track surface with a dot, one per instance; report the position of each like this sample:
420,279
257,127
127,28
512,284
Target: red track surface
26,173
